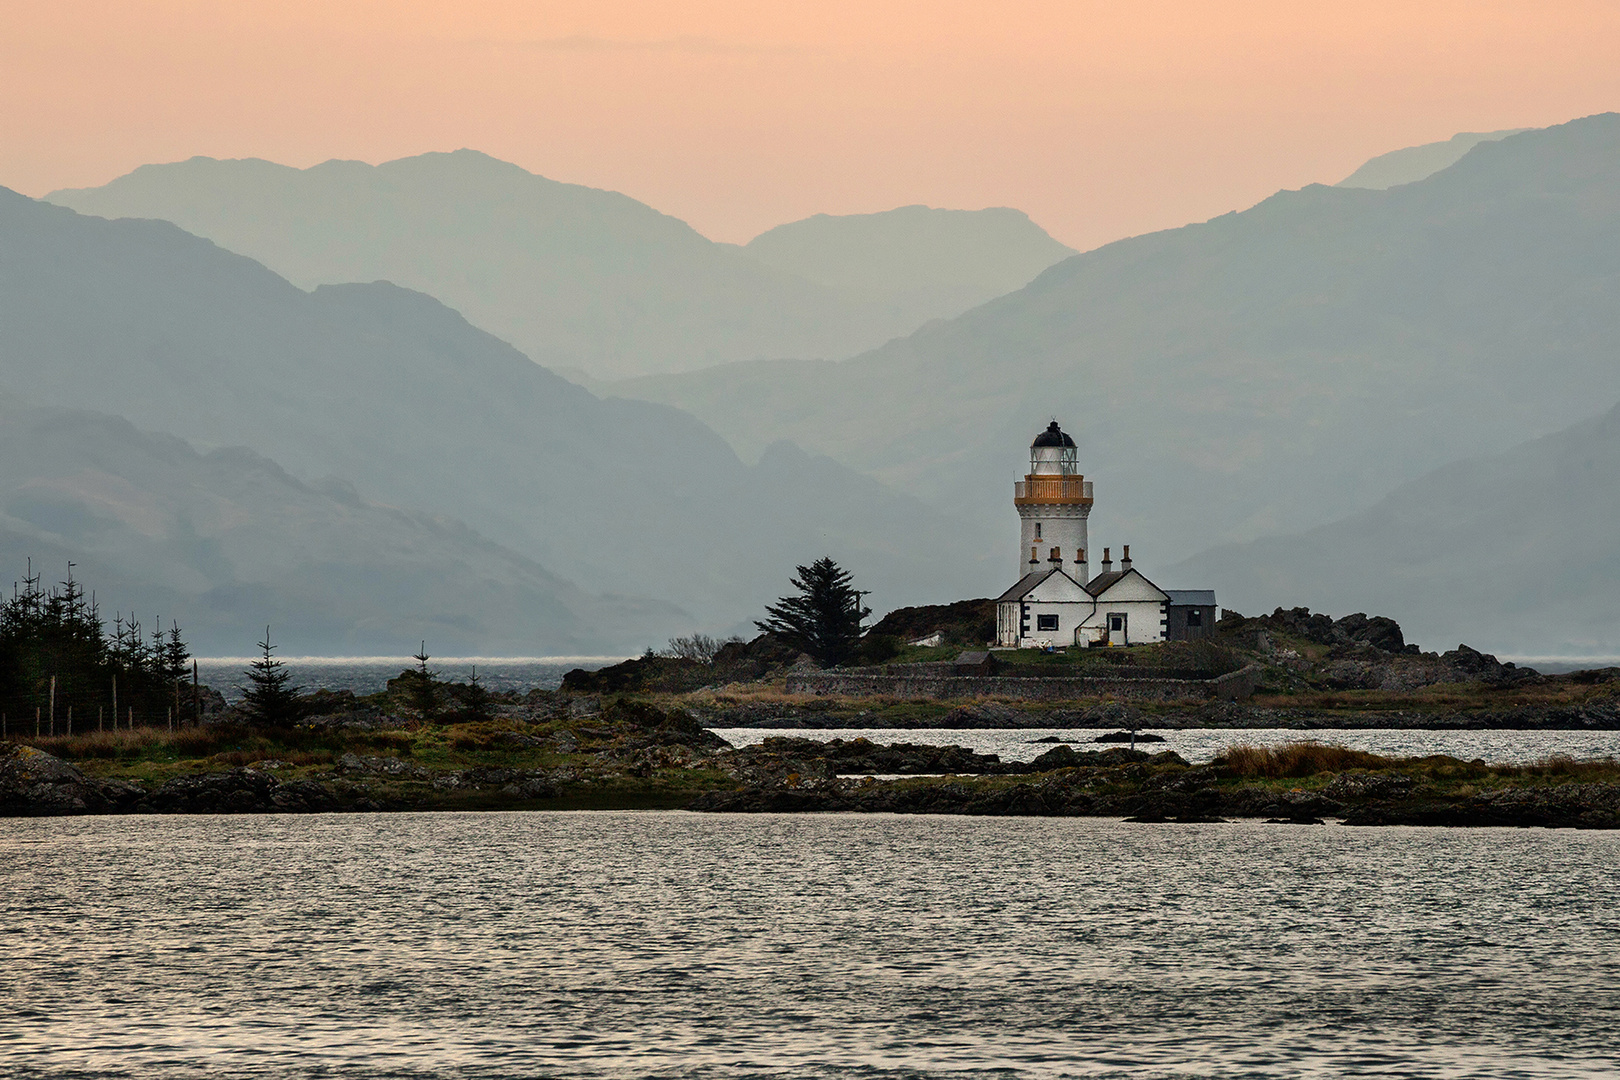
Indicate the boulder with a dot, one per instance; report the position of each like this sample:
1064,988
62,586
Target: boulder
36,784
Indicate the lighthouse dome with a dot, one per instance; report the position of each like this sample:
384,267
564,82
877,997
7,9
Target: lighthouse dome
1052,436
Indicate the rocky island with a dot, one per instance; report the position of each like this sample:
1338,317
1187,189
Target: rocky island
639,736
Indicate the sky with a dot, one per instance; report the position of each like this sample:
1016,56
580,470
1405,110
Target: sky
1100,120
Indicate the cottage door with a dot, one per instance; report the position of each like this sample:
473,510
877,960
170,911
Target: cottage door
1117,628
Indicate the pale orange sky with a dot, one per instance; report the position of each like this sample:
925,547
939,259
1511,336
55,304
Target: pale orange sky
1099,119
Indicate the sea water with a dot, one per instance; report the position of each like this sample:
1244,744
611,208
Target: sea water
731,946
370,674
1201,744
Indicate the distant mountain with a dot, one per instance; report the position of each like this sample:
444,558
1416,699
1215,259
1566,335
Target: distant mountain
1414,163
936,263
1517,552
228,542
397,393
573,276
1267,371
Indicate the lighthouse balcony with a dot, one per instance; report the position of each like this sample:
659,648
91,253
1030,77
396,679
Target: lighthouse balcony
1050,490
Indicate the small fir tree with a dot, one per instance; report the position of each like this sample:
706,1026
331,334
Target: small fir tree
421,685
270,699
824,619
475,700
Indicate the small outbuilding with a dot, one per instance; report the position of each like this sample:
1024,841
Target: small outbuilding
1191,614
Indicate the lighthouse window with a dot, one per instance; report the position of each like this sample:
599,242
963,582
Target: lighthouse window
1037,530
1046,622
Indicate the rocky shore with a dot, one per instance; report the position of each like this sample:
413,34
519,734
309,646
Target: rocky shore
630,754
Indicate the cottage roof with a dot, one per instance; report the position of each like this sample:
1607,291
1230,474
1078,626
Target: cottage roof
1103,582
1191,597
1099,584
1025,584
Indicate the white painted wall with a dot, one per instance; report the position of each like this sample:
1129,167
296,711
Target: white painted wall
1061,527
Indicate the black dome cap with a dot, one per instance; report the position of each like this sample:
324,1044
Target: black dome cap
1052,436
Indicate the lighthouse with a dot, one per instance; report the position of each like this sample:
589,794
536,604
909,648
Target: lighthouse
1057,602
1053,502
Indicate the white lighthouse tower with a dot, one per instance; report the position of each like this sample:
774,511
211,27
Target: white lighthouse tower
1053,502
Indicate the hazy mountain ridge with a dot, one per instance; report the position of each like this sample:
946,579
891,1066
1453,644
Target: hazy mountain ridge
398,393
1266,371
924,263
575,277
1531,530
1412,163
228,541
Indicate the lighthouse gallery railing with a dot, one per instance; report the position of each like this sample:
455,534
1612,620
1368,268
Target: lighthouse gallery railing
1052,489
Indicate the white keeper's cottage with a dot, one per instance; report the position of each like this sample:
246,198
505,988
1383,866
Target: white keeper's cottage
1056,601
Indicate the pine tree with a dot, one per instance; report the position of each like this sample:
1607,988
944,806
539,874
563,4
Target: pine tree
421,685
270,700
176,657
475,700
824,619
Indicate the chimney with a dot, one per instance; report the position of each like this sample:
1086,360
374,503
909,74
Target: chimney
1080,564
1108,561
1056,558
1034,560
1125,559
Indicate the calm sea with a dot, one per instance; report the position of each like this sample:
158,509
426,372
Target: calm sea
627,945
369,674
1202,744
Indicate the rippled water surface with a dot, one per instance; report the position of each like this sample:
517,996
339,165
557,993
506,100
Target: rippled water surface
369,674
668,944
1202,744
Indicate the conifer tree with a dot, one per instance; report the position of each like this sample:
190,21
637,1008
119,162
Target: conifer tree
270,700
176,657
421,685
824,619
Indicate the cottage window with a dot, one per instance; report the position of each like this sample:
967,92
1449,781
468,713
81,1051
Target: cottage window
1046,622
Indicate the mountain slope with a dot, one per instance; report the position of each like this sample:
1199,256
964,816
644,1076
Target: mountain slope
573,276
390,389
1412,163
923,262
1266,371
228,542
1516,552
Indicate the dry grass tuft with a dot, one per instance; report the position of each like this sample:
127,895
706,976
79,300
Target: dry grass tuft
1562,765
1298,759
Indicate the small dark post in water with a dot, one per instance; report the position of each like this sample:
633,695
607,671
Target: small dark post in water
1133,738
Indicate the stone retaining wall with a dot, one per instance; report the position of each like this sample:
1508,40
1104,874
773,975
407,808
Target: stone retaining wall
1236,686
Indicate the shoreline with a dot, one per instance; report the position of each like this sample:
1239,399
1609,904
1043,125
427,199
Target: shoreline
635,756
